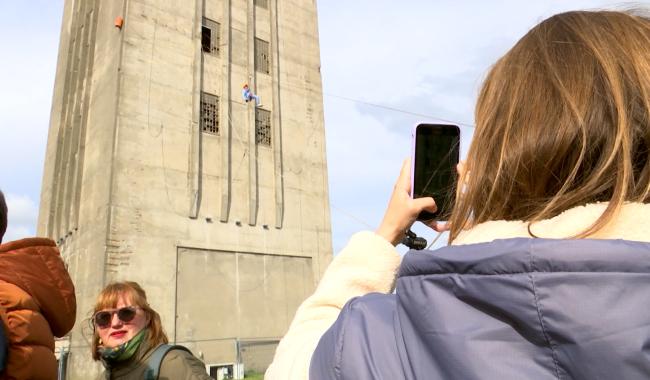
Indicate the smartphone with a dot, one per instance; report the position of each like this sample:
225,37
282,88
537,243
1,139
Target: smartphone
436,150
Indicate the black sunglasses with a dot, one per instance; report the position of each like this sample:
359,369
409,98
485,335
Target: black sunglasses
102,319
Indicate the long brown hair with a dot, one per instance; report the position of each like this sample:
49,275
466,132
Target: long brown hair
132,291
562,120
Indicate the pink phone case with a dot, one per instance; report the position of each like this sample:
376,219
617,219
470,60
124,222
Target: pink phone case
413,134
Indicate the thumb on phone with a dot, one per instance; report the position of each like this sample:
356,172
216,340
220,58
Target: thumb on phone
402,211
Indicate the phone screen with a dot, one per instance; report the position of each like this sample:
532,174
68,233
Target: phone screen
435,156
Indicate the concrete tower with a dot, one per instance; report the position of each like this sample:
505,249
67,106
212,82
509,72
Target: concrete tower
157,171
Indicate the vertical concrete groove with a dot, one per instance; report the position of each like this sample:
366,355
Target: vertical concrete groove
226,107
196,153
252,146
237,293
74,121
176,298
84,97
63,159
76,117
51,228
277,116
116,123
66,125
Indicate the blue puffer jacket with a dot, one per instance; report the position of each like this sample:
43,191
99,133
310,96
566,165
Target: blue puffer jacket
510,309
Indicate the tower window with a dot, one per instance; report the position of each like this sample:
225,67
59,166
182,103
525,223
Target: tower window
209,113
262,60
262,127
210,36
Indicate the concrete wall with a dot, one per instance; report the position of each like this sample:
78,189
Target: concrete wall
249,290
197,219
75,195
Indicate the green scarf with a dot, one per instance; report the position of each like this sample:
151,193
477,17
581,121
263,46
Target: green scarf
122,352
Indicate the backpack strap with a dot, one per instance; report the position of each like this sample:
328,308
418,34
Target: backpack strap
156,358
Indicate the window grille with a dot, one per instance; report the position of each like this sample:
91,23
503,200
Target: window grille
209,113
262,3
210,38
262,127
262,60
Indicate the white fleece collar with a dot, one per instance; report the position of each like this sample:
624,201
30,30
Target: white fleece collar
631,223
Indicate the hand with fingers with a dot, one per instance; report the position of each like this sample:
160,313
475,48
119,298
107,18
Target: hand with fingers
402,210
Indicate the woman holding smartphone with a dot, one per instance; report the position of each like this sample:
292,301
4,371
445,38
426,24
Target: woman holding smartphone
547,275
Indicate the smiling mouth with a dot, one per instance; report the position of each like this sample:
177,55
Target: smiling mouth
118,334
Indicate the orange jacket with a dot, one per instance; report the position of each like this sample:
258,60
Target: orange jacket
37,302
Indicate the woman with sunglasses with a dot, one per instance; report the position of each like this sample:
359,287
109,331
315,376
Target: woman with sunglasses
126,332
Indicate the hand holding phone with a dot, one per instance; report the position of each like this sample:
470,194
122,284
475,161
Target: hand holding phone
426,187
436,151
402,210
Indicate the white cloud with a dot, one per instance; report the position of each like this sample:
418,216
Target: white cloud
419,56
22,217
356,149
31,30
16,233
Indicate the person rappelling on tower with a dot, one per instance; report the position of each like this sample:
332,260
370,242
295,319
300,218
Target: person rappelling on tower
248,95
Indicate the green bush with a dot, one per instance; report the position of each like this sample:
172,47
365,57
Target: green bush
253,376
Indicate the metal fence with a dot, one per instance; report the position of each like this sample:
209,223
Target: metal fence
256,354
253,358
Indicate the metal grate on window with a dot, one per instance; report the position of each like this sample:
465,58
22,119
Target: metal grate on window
209,113
262,127
262,60
262,3
210,36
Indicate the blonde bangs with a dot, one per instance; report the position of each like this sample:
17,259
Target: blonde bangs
111,294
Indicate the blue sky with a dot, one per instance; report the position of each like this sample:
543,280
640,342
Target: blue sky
426,58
